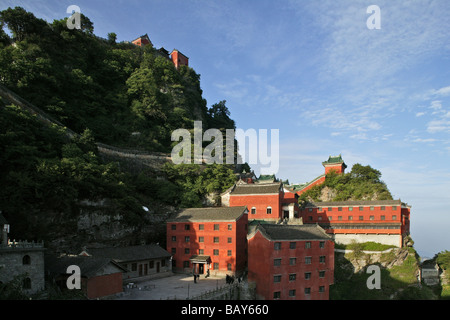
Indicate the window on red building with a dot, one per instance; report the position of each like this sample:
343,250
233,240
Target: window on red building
216,252
292,277
216,266
292,261
201,239
322,289
307,290
322,274
307,275
322,244
187,227
307,260
269,210
216,227
292,245
292,293
322,259
253,210
229,240
277,262
216,239
201,227
277,295
174,227
187,239
307,244
277,246
277,278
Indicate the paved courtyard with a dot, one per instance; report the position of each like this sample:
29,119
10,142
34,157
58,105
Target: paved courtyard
177,286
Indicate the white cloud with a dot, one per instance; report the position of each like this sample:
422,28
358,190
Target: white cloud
441,125
420,114
443,91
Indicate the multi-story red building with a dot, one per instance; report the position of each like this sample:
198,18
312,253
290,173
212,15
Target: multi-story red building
290,262
214,239
262,200
383,221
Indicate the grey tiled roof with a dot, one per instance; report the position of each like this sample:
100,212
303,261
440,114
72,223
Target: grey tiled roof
131,253
209,214
256,188
89,266
293,232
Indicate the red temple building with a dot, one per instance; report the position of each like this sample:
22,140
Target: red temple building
179,59
214,239
290,262
335,164
142,41
383,221
268,201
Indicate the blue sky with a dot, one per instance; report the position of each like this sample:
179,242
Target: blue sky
313,70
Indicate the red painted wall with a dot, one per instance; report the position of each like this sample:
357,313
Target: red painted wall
315,183
260,203
141,42
237,244
324,215
338,168
261,268
179,59
102,286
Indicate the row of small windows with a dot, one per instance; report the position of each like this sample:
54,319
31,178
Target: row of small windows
361,208
151,264
292,293
293,261
293,245
201,251
293,276
201,227
202,239
350,218
353,226
268,210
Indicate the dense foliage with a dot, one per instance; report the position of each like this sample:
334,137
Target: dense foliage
109,92
361,183
113,89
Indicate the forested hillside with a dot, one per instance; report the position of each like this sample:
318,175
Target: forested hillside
108,92
361,183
